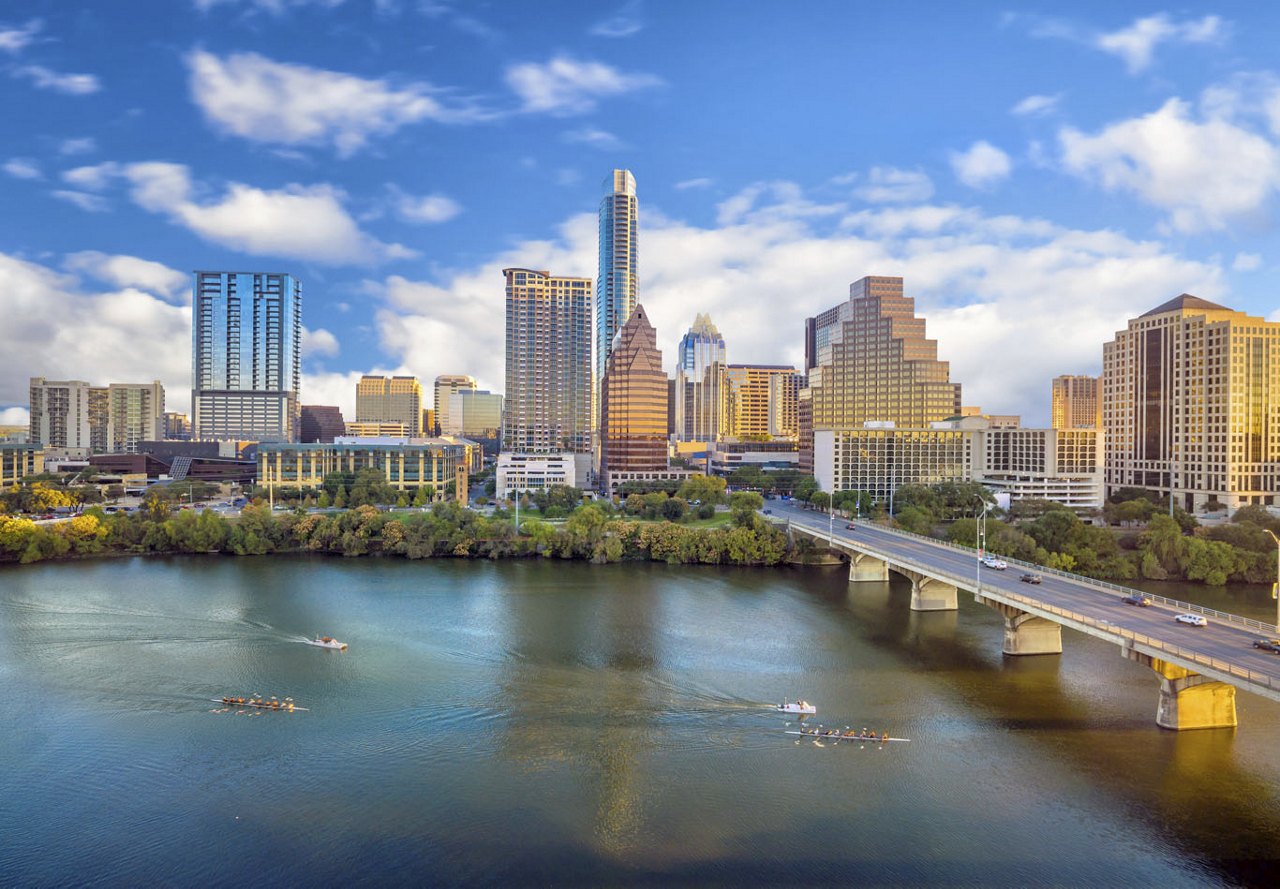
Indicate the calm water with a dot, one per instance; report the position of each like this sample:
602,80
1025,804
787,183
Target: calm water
573,724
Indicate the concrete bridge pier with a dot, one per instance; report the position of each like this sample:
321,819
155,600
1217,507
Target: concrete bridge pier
1188,700
867,569
928,594
1025,633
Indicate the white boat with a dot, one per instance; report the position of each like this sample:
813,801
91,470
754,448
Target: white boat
327,642
804,708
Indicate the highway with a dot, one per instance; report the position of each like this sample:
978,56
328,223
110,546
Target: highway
1223,650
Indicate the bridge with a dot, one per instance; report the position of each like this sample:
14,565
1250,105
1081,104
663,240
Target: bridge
1199,668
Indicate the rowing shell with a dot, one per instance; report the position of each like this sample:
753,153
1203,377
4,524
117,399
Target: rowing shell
262,705
839,737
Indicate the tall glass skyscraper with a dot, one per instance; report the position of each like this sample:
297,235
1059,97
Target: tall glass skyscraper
617,287
246,356
700,394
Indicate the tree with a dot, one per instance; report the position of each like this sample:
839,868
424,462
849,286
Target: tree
702,488
820,500
742,508
915,519
806,486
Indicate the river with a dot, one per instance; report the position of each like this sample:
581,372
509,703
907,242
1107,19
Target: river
545,722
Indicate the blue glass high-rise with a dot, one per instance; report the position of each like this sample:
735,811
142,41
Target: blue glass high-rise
617,285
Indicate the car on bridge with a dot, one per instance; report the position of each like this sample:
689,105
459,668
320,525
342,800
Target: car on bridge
1195,620
993,562
1031,578
1271,645
849,527
1137,599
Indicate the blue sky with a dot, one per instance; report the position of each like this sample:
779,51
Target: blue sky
1038,173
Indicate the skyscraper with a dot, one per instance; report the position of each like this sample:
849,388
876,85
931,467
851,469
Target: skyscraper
617,286
321,423
1076,402
246,356
1191,405
869,361
390,400
700,395
633,409
135,412
60,413
446,385
548,373
762,400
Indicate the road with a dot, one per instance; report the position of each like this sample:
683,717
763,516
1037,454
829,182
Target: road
1224,641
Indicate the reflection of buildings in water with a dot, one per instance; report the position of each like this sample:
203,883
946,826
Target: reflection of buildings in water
579,693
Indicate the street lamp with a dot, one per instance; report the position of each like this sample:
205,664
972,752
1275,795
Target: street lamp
1275,588
979,535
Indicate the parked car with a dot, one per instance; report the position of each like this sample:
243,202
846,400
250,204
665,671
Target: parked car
1137,599
993,562
1195,620
1031,578
1271,645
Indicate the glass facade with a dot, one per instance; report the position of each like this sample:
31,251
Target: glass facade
246,356
390,400
633,410
617,284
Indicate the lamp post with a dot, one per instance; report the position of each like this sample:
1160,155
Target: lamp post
1275,589
831,519
979,535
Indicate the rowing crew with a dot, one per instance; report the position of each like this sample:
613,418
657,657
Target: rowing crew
273,704
850,735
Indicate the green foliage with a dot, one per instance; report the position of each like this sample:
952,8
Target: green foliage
915,519
703,488
805,487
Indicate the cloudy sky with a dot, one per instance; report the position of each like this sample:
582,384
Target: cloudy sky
1038,173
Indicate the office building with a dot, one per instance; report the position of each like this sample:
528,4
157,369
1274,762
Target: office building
408,464
446,385
517,473
869,361
1191,405
17,461
548,363
1062,465
60,414
617,282
375,430
762,398
246,356
475,414
1076,402
633,409
321,423
700,403
177,427
390,400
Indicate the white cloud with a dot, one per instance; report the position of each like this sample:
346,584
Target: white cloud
69,84
56,328
15,416
255,98
623,23
891,185
1036,106
985,284
566,86
319,343
981,165
295,222
131,271
700,182
594,138
782,201
1137,43
90,203
85,145
1246,262
429,208
1203,172
22,168
14,40
275,7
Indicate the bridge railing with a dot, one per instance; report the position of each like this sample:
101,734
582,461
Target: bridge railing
1191,607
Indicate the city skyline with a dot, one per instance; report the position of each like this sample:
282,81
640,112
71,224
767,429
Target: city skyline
1031,221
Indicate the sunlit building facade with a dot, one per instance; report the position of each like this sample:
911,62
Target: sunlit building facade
17,461
1191,405
446,385
60,414
407,464
1076,402
762,399
135,413
700,402
633,409
390,400
246,356
548,363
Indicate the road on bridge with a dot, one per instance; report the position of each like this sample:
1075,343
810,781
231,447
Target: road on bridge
1221,640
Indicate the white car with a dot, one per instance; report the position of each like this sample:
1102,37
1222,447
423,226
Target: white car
1195,620
993,562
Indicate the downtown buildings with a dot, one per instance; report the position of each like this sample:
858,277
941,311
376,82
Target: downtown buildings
246,356
390,401
1076,402
75,418
617,278
1191,405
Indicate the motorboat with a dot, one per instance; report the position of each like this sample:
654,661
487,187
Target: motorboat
327,642
260,702
803,708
